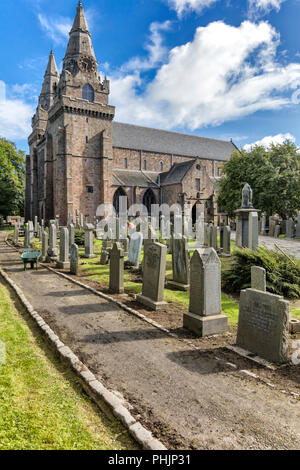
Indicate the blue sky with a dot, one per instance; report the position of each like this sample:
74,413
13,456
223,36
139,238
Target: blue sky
216,68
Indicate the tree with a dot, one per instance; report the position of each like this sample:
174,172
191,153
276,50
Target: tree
273,174
12,179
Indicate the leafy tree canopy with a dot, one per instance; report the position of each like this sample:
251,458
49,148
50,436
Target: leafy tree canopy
12,179
273,174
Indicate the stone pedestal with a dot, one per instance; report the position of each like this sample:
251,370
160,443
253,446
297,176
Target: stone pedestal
247,228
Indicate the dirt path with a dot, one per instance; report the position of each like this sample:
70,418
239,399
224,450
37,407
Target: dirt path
186,397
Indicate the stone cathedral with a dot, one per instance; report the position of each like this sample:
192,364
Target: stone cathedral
80,157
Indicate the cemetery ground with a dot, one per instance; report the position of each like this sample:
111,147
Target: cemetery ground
193,394
42,405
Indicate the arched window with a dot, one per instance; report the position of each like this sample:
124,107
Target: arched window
88,93
119,192
149,199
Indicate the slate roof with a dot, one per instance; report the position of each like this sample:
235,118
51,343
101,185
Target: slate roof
177,173
131,178
128,136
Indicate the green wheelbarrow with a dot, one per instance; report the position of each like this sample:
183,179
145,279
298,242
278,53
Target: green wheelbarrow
32,258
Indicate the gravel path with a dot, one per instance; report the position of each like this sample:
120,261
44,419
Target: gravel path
187,398
291,247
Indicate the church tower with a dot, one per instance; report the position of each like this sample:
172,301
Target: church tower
73,129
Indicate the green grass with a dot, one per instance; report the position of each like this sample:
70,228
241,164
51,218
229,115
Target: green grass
42,405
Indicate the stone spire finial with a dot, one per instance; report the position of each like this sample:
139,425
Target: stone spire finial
51,78
80,37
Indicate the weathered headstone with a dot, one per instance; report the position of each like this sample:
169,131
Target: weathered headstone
26,236
263,325
154,277
226,241
258,278
135,249
289,228
180,265
263,225
74,258
277,231
31,232
205,312
63,262
253,231
89,241
116,269
298,227
16,233
52,250
36,225
45,245
214,237
105,252
71,229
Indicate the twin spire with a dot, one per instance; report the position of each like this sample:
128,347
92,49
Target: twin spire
80,44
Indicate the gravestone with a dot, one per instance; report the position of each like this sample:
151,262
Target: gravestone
63,262
89,241
74,258
52,250
31,232
71,229
263,325
298,227
289,228
226,241
16,234
205,312
214,242
180,265
26,236
277,231
36,225
45,245
105,252
81,221
263,225
154,277
258,278
135,249
253,231
116,269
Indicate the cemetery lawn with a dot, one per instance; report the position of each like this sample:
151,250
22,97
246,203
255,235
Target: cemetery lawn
42,405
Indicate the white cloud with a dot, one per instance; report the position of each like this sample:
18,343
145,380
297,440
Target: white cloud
257,7
269,140
57,28
223,74
15,116
184,5
157,52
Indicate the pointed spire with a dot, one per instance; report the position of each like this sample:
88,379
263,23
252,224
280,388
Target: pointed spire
50,78
80,38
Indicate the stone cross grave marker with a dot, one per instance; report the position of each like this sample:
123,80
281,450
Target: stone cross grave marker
263,325
205,312
116,269
154,276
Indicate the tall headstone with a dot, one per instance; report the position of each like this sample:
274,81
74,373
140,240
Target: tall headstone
263,325
89,241
277,231
36,225
64,262
71,229
205,312
31,232
16,233
154,277
258,278
289,228
226,241
215,237
26,236
74,259
45,245
263,225
298,227
105,252
135,249
116,269
52,250
253,231
180,265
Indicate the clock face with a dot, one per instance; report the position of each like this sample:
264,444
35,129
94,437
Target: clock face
87,64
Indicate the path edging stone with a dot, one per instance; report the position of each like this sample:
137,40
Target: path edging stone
92,385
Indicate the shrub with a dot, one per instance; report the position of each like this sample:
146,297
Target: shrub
79,237
283,276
